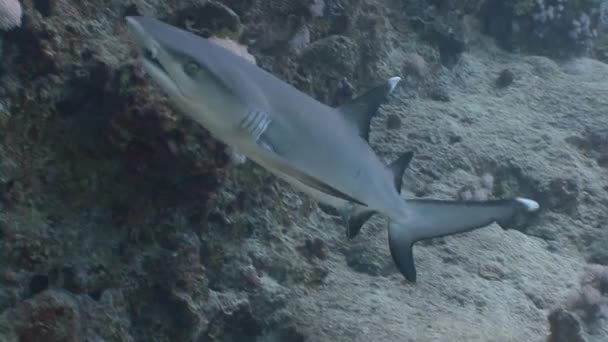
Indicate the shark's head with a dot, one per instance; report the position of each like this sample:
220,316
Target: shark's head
188,69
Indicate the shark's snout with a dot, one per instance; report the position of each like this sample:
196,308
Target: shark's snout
136,31
142,37
148,48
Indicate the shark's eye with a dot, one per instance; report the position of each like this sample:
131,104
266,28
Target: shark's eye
191,68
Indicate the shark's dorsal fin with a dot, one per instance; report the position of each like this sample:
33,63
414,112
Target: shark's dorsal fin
398,166
361,109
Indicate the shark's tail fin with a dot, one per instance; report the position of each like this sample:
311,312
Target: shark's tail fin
427,219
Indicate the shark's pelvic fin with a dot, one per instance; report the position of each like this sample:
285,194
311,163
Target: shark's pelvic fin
357,219
360,110
427,219
360,215
398,166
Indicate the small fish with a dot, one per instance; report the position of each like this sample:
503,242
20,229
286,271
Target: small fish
321,150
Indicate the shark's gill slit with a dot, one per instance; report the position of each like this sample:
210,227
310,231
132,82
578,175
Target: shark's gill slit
255,122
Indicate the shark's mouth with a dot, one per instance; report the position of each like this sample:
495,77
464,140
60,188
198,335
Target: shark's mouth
150,56
153,66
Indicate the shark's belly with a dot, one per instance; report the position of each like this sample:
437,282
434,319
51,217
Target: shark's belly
350,169
351,177
334,157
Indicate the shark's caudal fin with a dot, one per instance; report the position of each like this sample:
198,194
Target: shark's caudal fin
360,215
360,110
434,218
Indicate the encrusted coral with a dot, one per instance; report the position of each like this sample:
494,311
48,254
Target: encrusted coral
583,309
591,300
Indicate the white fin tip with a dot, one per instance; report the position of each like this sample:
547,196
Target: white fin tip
393,81
528,203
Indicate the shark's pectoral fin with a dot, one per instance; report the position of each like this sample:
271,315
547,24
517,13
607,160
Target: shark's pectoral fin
275,162
427,219
326,188
360,110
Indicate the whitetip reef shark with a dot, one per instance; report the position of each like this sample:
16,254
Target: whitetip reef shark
321,150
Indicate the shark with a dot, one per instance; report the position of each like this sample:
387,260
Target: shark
323,151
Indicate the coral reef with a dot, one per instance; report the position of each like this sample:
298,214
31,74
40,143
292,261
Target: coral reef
121,220
585,310
591,300
557,28
564,327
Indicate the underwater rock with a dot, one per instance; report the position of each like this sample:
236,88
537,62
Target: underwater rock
415,66
314,248
317,7
505,78
438,93
333,57
393,122
563,193
300,39
210,18
443,28
56,316
477,188
44,7
593,142
590,300
492,271
598,253
53,315
366,260
565,327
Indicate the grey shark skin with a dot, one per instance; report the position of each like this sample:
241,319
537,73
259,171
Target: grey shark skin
319,149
